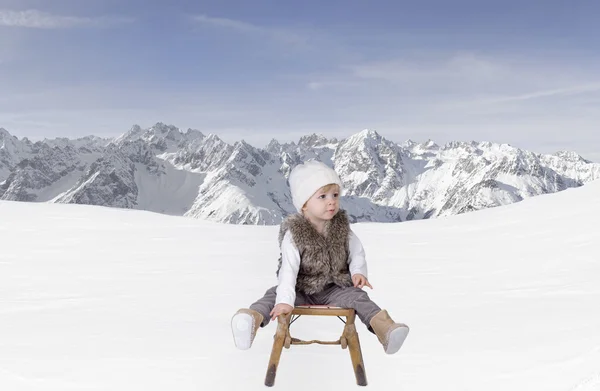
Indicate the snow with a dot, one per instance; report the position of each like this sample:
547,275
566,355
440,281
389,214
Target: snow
357,177
58,188
95,298
172,193
66,183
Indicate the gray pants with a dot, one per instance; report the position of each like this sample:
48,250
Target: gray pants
332,295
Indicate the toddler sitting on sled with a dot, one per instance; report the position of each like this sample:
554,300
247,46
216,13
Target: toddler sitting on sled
322,262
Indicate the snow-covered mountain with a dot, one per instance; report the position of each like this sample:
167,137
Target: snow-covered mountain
12,150
167,170
40,171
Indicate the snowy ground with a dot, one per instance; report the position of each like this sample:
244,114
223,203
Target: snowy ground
95,298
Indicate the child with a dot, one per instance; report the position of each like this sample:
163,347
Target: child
322,262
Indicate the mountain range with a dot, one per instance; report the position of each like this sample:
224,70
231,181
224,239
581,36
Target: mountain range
166,170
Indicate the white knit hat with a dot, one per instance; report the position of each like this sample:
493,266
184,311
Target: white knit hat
305,179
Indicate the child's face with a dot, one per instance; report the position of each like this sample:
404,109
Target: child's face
324,204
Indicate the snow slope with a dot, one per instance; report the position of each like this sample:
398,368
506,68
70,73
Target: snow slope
172,193
95,298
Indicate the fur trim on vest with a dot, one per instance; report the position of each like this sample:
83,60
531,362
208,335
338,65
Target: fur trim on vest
323,258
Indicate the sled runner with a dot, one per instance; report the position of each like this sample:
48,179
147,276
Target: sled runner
348,339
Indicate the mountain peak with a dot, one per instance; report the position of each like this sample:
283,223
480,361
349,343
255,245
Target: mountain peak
366,137
4,134
313,140
409,143
430,144
213,137
9,142
459,145
163,128
369,133
273,143
193,134
242,144
571,156
163,131
134,132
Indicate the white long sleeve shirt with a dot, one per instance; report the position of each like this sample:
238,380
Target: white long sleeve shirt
290,264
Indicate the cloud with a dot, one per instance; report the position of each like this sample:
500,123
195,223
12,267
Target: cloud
324,84
573,90
229,24
456,68
463,79
273,33
42,20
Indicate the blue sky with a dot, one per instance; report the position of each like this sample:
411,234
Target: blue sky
520,72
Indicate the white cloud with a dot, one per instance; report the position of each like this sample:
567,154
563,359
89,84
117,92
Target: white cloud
324,84
42,20
229,24
462,80
286,36
573,90
315,85
459,67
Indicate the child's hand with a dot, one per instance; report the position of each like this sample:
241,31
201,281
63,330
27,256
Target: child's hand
279,309
359,281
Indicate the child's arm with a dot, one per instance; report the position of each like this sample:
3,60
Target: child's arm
358,262
290,264
357,259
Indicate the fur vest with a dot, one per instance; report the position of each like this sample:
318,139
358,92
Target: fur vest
323,258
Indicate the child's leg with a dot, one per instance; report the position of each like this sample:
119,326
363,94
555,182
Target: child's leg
246,321
389,333
265,304
355,298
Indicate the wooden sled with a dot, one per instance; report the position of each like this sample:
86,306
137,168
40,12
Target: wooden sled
348,339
